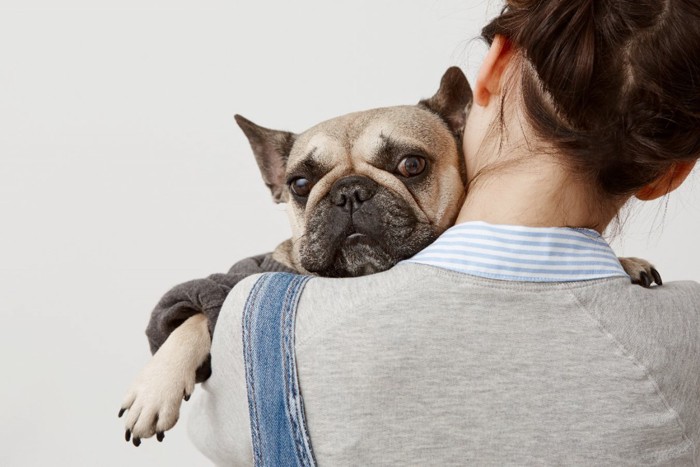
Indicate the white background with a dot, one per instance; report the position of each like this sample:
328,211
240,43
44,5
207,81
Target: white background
122,173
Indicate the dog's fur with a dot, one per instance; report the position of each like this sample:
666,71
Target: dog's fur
352,163
361,216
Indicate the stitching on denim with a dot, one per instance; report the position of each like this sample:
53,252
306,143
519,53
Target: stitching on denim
303,432
292,393
287,310
292,285
252,406
250,303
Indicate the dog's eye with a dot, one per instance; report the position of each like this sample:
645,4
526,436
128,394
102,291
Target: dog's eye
411,166
300,186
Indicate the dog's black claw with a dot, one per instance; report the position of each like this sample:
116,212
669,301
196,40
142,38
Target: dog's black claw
644,279
137,441
657,276
127,435
160,436
121,412
187,397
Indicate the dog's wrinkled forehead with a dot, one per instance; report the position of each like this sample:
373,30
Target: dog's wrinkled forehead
358,142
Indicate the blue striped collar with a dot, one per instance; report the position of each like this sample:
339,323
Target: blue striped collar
518,253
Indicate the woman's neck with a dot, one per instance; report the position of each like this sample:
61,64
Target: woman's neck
534,191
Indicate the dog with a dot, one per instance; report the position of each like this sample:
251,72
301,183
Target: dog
363,192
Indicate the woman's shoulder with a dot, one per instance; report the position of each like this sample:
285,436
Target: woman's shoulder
692,288
685,293
685,289
666,315
658,330
673,299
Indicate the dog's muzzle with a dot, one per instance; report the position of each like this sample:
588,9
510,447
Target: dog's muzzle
359,228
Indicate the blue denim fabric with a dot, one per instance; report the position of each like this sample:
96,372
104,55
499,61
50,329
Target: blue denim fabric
277,423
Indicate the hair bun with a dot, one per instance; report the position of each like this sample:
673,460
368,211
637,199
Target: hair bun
615,83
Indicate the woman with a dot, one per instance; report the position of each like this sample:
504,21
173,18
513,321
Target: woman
516,337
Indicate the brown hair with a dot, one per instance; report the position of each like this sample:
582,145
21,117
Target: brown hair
616,83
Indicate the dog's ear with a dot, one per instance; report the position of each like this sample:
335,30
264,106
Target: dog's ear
271,149
452,101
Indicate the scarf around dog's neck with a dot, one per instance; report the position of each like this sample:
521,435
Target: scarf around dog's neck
519,253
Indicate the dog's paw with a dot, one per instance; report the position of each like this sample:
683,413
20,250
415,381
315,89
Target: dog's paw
641,271
152,404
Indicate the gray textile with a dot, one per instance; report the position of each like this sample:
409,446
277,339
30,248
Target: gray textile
202,296
424,366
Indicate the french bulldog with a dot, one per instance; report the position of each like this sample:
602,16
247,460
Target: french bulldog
363,192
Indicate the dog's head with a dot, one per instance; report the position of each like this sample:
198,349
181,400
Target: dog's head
368,189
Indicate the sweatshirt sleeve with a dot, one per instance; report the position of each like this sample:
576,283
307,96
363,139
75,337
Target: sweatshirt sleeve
202,296
661,333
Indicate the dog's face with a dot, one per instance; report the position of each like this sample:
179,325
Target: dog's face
368,189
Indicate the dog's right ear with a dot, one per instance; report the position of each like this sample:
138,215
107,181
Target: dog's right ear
271,149
452,101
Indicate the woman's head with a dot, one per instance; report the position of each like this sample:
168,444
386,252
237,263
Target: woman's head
611,86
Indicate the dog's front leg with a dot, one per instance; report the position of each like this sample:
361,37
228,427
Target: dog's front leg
153,401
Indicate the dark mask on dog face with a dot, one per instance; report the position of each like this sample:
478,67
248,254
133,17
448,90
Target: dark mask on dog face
369,189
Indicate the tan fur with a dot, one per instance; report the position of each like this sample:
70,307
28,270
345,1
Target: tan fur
168,377
635,267
348,144
284,254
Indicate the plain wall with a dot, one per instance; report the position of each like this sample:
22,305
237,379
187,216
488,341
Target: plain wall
122,173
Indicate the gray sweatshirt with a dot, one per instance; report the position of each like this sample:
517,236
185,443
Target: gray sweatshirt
463,370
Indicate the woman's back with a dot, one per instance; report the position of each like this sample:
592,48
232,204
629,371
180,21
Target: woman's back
500,372
464,369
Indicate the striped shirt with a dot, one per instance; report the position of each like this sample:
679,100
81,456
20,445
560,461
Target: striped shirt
518,253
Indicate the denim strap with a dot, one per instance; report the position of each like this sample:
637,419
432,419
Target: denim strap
277,423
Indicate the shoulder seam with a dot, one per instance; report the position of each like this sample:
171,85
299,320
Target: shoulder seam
628,355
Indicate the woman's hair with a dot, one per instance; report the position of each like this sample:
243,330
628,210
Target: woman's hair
613,84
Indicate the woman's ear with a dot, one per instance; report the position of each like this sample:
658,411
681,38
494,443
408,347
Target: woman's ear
490,77
667,182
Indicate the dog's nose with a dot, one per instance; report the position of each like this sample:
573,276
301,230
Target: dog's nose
349,193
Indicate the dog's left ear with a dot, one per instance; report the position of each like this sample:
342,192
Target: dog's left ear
271,149
452,101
